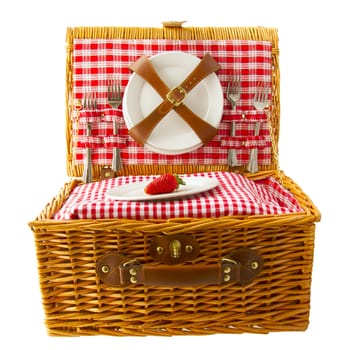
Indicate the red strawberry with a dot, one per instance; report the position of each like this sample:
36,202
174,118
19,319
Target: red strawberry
164,184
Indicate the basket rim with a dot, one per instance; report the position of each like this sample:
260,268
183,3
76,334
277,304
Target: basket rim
310,214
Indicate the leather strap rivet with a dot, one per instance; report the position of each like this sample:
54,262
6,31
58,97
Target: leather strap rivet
132,272
160,250
227,278
133,279
227,269
105,269
254,265
189,248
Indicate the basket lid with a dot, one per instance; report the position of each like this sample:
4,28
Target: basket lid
98,55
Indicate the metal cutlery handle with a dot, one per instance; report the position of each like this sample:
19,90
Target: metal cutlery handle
253,156
116,158
232,157
87,171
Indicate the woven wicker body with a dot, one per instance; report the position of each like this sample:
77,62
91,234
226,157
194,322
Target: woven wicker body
76,302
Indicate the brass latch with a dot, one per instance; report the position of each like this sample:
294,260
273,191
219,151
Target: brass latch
175,248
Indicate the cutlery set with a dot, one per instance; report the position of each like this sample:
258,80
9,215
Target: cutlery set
90,103
233,95
114,99
260,103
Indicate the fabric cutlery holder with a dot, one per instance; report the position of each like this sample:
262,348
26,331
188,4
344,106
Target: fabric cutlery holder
114,141
242,142
103,139
90,142
245,140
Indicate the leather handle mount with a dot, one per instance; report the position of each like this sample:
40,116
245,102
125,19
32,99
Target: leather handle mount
241,266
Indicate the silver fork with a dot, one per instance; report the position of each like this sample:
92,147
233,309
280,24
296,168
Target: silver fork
90,103
233,95
234,90
260,102
114,98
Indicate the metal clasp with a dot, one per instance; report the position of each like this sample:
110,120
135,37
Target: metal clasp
176,95
229,261
175,248
130,262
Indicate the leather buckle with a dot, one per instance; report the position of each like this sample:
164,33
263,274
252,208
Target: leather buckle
176,95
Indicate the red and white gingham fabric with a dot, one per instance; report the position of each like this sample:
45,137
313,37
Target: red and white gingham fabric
97,60
235,195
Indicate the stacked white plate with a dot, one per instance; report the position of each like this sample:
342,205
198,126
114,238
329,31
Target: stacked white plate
173,135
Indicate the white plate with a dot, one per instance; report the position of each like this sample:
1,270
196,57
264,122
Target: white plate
172,135
135,191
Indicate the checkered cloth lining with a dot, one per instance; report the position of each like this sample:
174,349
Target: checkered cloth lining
235,195
95,61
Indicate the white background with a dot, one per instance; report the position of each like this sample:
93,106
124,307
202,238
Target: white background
312,148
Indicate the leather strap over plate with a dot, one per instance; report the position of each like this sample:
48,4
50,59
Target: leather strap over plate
173,99
241,266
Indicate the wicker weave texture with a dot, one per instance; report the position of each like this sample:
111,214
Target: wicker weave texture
77,303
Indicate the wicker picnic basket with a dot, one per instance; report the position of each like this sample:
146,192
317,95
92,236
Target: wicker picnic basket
78,301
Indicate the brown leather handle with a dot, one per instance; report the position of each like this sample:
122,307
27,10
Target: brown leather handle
241,266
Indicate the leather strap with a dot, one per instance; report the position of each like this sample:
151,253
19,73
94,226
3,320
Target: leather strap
175,276
172,99
241,266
